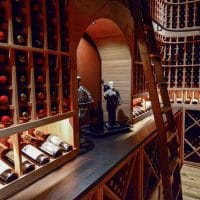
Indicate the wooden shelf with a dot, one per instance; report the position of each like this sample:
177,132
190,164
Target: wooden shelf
27,179
34,124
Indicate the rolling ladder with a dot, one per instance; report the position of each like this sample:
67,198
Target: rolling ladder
168,148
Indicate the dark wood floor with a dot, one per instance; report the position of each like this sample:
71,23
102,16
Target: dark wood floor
191,182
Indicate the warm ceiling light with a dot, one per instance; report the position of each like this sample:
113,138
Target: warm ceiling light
93,22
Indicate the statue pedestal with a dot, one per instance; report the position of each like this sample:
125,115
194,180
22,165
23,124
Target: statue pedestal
106,130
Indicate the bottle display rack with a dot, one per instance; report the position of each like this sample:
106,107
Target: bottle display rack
151,178
141,103
179,40
192,137
176,14
35,86
181,61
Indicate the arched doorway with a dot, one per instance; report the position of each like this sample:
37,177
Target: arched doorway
103,53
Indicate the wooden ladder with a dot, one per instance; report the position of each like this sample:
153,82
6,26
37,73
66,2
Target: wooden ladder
168,148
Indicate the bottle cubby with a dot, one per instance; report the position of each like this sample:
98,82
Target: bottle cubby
151,172
37,23
192,137
35,83
64,25
19,22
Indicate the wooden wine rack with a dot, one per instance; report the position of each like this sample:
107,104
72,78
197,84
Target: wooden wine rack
38,90
140,102
176,14
177,25
192,137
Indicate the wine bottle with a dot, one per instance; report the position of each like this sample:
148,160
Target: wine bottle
4,99
3,79
54,140
41,112
22,78
40,78
7,174
179,100
36,7
40,95
21,59
2,36
54,107
194,101
19,19
24,114
7,154
34,154
6,119
187,101
2,58
20,39
46,146
23,96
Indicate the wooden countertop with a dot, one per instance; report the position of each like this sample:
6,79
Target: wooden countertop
74,179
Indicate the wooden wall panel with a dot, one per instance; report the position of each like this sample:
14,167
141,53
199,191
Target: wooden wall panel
116,59
89,68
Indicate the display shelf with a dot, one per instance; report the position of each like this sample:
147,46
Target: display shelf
25,180
5,132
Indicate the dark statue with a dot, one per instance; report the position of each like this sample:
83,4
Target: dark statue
113,100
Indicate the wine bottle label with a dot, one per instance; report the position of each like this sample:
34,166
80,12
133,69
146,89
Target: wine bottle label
55,140
31,151
3,167
50,148
10,156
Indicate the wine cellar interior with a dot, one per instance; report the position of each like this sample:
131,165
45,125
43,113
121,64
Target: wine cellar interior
63,135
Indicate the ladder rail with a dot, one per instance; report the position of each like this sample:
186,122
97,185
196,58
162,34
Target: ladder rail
164,153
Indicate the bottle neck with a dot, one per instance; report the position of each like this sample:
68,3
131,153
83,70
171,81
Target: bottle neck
41,134
30,139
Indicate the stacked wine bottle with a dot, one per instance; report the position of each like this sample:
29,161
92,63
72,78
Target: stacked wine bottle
6,106
37,149
38,52
176,15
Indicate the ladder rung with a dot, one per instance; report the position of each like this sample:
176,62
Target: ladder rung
170,136
151,55
173,164
166,109
162,82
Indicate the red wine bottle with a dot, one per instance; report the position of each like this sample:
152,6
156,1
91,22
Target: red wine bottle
4,99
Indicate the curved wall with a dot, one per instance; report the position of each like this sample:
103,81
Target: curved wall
113,37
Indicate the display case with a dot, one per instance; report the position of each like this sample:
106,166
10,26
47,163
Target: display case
36,96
